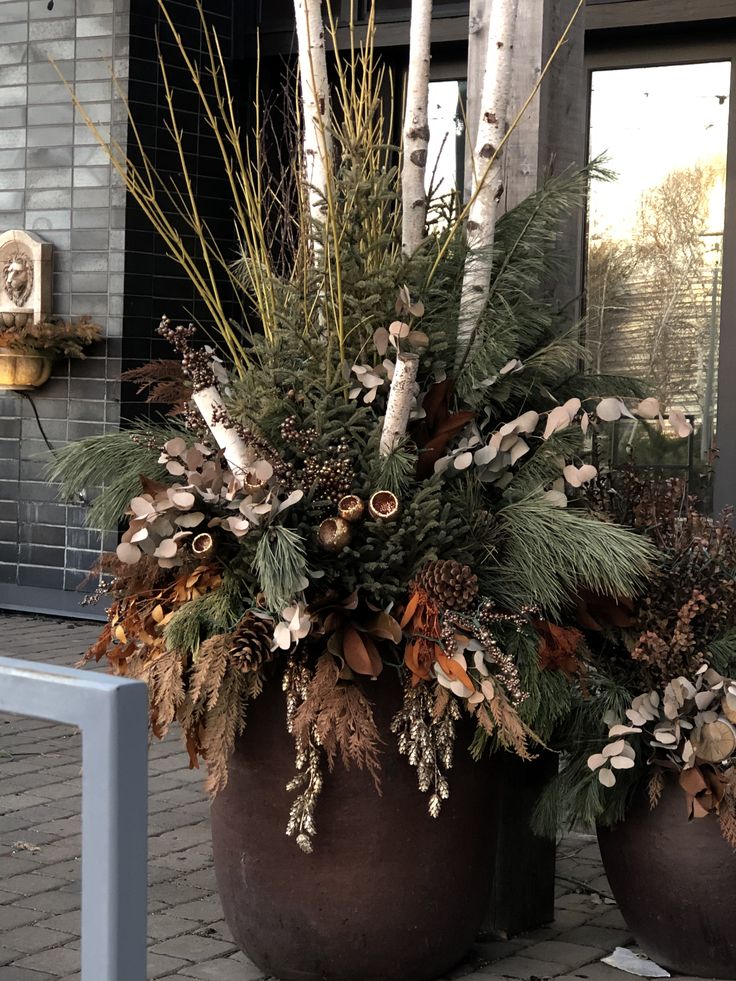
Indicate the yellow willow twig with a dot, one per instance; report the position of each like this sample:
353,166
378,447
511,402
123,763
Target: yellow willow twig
247,198
142,186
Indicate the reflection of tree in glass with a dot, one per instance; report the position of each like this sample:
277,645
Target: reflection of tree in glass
649,298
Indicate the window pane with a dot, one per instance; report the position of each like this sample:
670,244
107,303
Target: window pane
654,247
446,142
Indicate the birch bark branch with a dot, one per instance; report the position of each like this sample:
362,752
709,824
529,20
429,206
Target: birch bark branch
416,129
236,451
487,163
477,46
315,102
400,400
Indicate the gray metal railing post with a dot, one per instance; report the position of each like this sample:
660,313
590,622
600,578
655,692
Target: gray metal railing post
112,714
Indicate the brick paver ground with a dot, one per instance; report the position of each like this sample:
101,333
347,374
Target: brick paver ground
40,847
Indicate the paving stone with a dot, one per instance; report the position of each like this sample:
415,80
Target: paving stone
7,955
207,910
195,948
567,955
15,973
57,960
162,926
523,968
605,938
159,964
15,916
224,969
31,939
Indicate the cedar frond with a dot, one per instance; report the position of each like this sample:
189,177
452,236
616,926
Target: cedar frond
210,668
655,786
225,722
341,718
500,719
164,383
166,688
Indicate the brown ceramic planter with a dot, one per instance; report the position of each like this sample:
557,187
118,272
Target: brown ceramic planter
389,893
675,882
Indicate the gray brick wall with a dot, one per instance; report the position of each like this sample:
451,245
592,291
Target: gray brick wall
55,180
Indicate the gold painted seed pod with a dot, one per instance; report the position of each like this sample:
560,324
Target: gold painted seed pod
334,534
383,506
351,507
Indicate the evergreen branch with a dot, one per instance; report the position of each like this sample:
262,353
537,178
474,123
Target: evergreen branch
89,464
281,566
547,554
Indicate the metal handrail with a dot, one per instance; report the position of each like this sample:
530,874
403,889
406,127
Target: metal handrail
112,714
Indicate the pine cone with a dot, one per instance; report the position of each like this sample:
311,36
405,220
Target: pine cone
249,645
449,584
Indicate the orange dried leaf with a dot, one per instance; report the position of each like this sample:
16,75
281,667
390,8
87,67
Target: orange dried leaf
452,668
411,608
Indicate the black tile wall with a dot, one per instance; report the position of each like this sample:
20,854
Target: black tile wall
56,181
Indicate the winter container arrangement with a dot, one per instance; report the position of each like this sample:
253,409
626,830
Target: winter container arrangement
357,549
658,676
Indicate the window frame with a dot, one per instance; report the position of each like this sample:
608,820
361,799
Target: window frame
662,47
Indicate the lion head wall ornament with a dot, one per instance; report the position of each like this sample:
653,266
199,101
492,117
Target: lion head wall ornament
26,268
18,277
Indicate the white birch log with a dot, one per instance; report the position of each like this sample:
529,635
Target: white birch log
488,175
416,129
315,103
400,400
236,451
478,16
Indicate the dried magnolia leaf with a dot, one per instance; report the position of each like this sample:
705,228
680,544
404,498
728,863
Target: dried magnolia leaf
361,653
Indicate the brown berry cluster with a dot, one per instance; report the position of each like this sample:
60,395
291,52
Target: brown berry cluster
332,477
196,362
301,439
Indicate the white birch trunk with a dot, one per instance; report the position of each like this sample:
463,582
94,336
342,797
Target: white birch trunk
487,162
416,129
236,451
315,103
477,45
400,400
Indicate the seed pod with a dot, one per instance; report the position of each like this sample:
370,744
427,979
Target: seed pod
334,534
203,544
384,506
351,507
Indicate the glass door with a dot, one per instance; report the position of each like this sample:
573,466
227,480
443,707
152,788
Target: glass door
655,252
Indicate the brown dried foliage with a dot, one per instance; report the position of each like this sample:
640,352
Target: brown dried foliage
340,717
691,597
499,718
164,383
